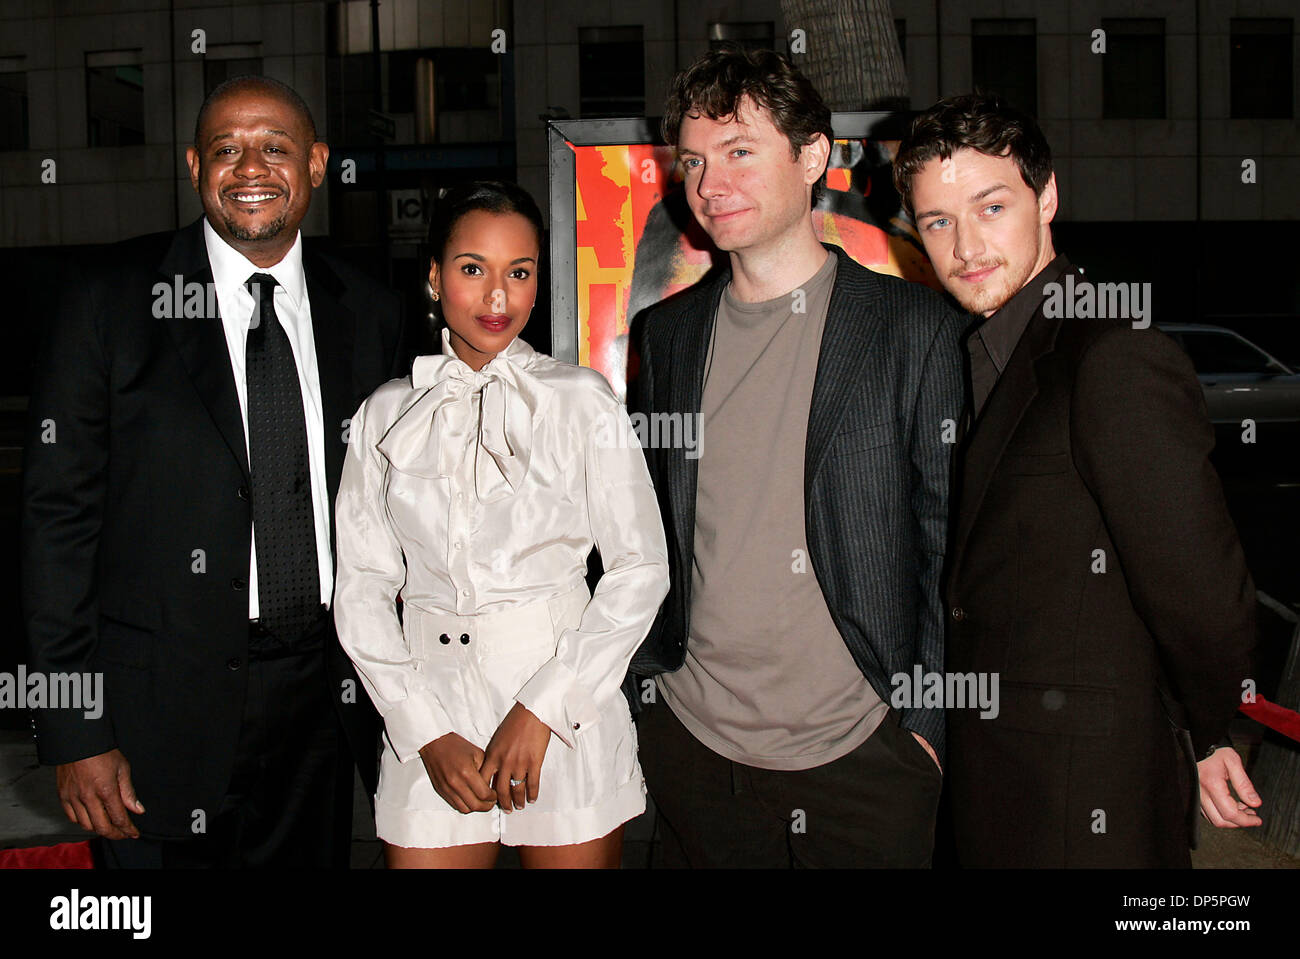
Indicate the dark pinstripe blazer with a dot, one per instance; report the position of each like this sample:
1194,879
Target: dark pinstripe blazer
875,475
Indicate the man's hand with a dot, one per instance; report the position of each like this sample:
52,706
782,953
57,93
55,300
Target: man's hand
926,746
452,763
515,757
96,793
1218,804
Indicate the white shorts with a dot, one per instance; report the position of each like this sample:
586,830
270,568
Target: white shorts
585,792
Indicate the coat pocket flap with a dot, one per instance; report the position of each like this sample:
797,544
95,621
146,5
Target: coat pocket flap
1056,709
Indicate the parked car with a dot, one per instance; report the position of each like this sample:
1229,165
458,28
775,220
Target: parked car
1240,380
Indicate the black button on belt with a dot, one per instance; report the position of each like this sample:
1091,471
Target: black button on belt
242,493
464,639
444,639
958,613
234,663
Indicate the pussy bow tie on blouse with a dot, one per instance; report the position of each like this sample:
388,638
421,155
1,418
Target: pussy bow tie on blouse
445,426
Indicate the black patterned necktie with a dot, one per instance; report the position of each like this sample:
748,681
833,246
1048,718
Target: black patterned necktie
284,523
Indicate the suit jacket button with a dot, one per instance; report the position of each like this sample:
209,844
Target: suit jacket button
242,493
444,639
234,663
958,613
238,584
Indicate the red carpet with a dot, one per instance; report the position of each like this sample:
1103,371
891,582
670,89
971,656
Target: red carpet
1275,717
66,855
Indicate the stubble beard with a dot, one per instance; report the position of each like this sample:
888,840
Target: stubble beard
988,301
266,232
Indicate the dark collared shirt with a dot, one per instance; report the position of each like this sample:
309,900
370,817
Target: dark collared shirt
993,342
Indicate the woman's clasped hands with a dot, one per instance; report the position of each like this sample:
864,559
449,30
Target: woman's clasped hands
508,773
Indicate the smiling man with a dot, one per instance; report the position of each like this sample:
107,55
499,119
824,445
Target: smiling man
177,528
1093,566
806,542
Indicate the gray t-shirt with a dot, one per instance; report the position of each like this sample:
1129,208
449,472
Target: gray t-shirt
767,680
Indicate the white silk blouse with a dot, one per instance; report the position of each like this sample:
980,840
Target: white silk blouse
468,492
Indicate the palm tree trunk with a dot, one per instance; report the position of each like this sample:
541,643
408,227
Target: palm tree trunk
852,54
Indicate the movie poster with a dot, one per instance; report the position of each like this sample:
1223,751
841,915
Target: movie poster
637,243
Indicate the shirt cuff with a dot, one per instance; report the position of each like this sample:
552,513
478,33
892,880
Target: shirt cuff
414,723
555,696
1224,743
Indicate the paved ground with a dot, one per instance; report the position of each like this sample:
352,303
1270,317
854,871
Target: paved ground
30,815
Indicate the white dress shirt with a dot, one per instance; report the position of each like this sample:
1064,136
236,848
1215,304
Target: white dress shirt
230,271
475,492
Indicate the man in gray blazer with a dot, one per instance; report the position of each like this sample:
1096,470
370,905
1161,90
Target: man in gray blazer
806,542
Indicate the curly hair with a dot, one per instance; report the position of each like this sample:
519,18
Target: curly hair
983,122
714,85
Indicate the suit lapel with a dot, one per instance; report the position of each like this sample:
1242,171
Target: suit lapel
1003,411
332,326
690,346
201,341
846,338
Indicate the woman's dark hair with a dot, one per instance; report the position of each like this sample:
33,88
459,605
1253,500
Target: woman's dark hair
983,122
714,85
493,196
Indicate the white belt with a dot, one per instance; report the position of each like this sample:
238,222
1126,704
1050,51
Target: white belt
503,631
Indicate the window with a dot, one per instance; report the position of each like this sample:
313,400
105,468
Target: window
1261,68
462,83
1004,60
114,99
13,104
1224,353
467,79
1133,69
611,71
751,35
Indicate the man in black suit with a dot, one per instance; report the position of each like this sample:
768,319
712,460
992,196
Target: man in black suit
1094,567
187,430
807,531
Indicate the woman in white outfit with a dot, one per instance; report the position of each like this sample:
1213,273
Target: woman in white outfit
472,492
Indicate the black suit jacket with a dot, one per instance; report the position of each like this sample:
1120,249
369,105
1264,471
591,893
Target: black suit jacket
136,521
876,469
1095,438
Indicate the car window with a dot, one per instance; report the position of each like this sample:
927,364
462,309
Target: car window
1223,353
